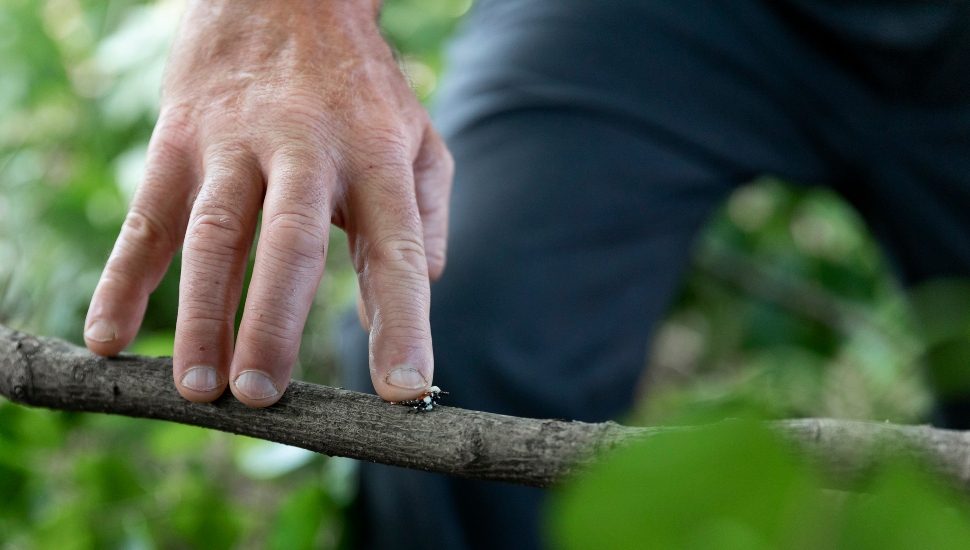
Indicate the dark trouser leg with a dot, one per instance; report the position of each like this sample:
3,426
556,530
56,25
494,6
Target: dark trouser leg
591,141
585,165
570,234
563,256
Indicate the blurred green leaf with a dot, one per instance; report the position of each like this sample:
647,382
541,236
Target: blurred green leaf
169,441
159,343
904,508
107,479
15,477
24,427
948,367
734,485
68,528
202,518
942,309
731,483
300,519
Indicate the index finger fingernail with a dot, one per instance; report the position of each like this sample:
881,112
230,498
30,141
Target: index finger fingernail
101,331
406,377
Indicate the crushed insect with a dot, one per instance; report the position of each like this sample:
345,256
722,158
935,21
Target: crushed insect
425,402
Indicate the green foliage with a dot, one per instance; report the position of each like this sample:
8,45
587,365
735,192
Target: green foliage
299,518
942,308
736,485
793,311
78,99
83,481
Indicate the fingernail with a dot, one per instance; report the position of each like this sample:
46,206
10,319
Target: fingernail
101,331
201,378
255,385
407,378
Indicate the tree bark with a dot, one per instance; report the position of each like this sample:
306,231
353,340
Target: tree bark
51,373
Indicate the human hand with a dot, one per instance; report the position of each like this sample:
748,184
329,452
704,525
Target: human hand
297,108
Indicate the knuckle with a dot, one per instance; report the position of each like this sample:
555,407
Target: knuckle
173,139
437,159
403,337
203,311
401,254
142,239
302,160
405,329
275,327
142,230
170,147
408,314
297,239
228,162
194,303
433,205
216,231
301,180
176,124
119,277
206,297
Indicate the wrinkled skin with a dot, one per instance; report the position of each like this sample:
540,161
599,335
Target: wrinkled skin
299,109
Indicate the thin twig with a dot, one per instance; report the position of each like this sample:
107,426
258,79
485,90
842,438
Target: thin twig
51,373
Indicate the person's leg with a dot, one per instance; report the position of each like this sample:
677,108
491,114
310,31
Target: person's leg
569,236
591,142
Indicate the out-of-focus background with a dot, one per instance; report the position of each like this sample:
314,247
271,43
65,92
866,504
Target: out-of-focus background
790,307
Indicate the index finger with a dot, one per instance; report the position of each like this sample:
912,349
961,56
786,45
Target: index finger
388,248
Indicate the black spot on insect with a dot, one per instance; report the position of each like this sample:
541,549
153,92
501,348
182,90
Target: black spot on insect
426,402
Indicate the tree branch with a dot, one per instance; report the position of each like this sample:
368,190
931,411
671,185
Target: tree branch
51,373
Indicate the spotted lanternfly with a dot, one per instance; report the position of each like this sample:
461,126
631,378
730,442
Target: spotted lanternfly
426,402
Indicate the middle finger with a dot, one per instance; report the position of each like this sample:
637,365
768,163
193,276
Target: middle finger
217,244
289,264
